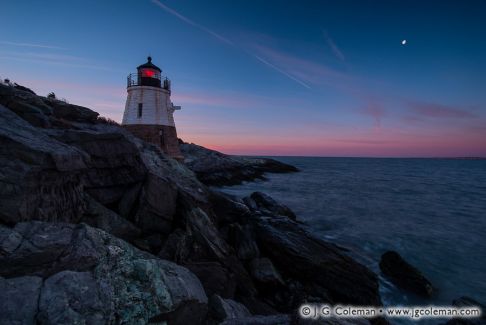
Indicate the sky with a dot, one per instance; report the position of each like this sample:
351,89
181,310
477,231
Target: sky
305,78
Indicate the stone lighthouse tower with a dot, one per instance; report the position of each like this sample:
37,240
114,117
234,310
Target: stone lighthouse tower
149,110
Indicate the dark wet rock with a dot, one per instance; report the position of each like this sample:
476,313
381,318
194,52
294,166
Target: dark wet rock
19,299
215,168
243,240
404,275
301,256
259,320
228,209
463,302
94,277
157,205
222,309
263,202
263,271
215,278
467,302
97,215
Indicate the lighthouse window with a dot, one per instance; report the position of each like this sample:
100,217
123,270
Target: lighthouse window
139,113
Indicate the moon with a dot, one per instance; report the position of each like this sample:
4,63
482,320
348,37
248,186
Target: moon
404,42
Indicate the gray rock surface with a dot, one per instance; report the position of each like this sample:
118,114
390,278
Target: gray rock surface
19,299
92,277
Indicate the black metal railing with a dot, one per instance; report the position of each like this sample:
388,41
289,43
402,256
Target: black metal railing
137,79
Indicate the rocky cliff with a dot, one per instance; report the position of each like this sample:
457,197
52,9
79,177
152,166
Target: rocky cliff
98,227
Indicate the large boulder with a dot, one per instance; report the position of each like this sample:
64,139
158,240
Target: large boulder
92,277
463,302
404,275
300,256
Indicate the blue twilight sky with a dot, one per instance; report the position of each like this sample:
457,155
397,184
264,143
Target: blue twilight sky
326,78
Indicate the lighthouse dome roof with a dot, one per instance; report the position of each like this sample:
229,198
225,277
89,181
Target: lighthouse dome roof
149,64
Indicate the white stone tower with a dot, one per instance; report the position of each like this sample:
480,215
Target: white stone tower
149,110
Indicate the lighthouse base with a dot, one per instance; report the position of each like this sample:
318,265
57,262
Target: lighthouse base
163,136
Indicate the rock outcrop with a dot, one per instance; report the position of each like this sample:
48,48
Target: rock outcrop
215,168
405,275
97,226
78,274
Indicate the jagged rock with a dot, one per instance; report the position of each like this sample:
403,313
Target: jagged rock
97,215
173,245
215,168
157,205
36,172
222,309
405,275
228,209
94,277
263,271
259,320
301,256
114,163
19,299
266,203
70,112
243,240
20,87
215,278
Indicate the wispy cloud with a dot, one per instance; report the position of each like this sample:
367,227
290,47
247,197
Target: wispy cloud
305,71
280,70
53,59
225,40
334,48
191,22
44,46
376,111
435,110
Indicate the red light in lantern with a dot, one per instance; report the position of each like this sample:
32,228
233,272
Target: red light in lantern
148,73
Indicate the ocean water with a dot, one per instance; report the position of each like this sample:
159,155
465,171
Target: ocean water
432,211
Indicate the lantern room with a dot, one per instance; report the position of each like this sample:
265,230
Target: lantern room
148,74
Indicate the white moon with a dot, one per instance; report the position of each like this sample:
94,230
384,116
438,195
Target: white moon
404,42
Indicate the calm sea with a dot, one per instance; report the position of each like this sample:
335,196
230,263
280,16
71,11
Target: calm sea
432,211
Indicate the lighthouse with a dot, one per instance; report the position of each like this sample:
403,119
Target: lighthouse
149,111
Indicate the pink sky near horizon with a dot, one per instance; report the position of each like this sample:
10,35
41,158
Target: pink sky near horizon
301,139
